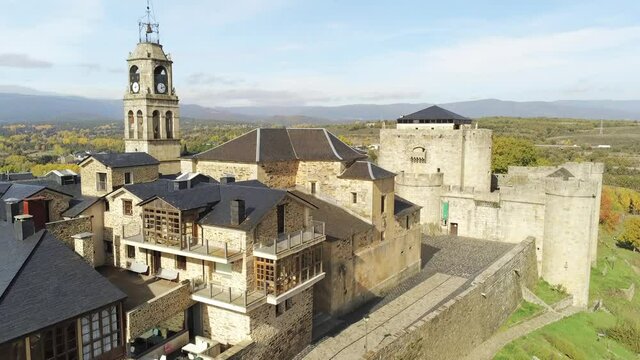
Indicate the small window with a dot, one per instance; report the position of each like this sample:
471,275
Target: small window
108,247
181,262
131,252
382,236
313,187
128,179
223,268
288,304
354,197
280,309
127,207
383,200
408,223
106,205
101,181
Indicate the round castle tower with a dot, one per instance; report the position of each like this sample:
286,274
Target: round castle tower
566,251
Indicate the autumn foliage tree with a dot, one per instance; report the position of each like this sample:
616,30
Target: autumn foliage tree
608,216
631,234
510,151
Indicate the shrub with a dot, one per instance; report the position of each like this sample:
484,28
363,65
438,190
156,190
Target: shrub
627,333
565,347
630,236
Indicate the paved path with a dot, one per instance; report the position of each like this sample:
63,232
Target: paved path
387,320
488,349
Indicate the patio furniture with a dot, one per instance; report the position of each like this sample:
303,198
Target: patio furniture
138,267
167,274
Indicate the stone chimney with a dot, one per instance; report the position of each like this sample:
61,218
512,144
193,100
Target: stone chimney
237,212
227,179
83,245
23,226
12,208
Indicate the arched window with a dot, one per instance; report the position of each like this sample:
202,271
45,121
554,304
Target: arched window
419,155
140,124
134,79
169,124
156,124
160,79
131,125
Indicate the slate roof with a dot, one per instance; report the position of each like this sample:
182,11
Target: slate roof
365,170
16,176
434,113
43,282
258,202
77,206
188,199
120,160
339,223
144,191
272,145
402,207
73,190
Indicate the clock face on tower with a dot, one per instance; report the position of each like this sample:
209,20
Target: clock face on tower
135,87
161,87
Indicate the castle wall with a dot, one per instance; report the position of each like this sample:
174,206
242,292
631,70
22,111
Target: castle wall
567,252
464,156
423,190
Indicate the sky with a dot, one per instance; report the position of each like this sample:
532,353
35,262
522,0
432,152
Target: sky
330,52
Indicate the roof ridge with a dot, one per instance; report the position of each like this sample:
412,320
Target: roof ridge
228,141
333,148
26,260
370,171
258,145
295,153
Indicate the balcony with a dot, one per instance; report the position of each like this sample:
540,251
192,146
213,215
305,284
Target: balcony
228,298
185,245
287,244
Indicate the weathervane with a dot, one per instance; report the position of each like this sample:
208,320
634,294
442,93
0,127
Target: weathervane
148,26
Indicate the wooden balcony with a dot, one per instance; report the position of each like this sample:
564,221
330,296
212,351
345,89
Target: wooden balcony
287,244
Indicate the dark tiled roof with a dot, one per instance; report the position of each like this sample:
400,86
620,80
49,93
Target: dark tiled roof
339,223
16,176
561,173
402,207
73,190
80,205
365,170
160,187
258,202
251,183
436,113
188,199
51,284
272,145
21,191
4,187
120,160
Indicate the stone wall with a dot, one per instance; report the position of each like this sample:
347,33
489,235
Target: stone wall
63,230
217,169
464,156
115,177
225,326
58,203
281,336
158,309
464,322
280,175
139,174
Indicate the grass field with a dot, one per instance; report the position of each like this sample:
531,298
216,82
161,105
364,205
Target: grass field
547,293
524,312
588,335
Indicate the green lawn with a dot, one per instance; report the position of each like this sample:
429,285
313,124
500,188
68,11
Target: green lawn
547,293
576,337
525,311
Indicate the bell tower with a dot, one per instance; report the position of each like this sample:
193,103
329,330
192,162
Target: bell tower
151,110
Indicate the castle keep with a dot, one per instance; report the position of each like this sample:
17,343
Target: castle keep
444,166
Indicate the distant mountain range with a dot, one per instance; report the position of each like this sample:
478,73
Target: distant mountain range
26,105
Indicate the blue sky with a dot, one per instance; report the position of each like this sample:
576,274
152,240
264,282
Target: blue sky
282,52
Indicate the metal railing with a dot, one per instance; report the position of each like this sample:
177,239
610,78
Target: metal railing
291,241
244,298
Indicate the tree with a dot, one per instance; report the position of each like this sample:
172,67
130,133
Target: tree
608,216
510,151
631,233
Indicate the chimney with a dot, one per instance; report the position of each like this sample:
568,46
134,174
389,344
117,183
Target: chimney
23,226
12,208
227,179
237,212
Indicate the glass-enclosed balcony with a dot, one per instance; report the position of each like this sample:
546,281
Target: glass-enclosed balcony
227,297
286,244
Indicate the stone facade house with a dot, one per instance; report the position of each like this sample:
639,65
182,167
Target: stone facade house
103,173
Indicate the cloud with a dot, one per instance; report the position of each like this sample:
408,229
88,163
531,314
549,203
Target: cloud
201,78
22,61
